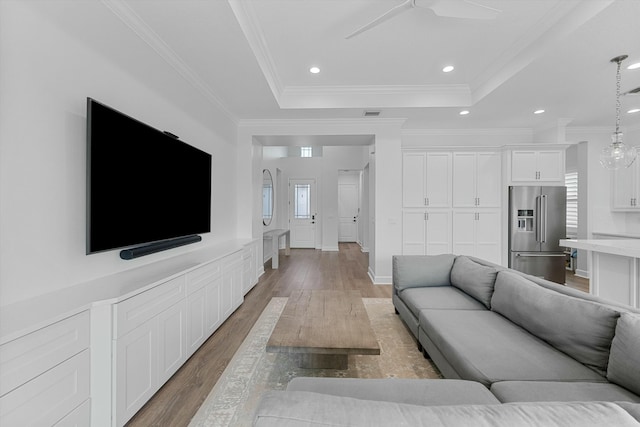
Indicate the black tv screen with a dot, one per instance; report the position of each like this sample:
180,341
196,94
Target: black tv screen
143,185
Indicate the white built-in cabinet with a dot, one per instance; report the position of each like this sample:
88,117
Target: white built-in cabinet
477,233
110,344
477,179
426,232
452,203
426,179
45,375
625,188
537,165
157,330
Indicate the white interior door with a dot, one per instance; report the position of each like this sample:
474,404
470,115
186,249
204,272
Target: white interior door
348,210
302,213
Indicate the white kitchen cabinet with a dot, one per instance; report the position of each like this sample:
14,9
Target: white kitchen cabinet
477,233
625,188
426,232
537,165
249,267
476,179
231,293
426,179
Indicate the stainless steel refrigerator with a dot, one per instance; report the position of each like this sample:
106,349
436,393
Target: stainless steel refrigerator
537,221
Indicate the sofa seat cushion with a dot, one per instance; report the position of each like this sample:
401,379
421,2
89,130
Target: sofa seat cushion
440,298
582,329
474,279
300,408
481,345
624,360
555,391
424,392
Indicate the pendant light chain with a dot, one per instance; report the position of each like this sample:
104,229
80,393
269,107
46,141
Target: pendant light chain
618,103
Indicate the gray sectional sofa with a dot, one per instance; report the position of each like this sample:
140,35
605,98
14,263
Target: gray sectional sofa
514,349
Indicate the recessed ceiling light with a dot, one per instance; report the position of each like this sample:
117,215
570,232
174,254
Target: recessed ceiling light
448,69
464,112
538,111
634,66
314,70
634,110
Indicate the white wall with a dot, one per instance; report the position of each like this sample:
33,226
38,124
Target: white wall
47,73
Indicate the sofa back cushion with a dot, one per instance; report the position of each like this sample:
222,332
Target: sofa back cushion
474,279
579,328
624,360
413,271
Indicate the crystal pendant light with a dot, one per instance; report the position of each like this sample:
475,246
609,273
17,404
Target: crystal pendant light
618,155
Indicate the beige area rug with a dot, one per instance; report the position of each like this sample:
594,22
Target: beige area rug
252,371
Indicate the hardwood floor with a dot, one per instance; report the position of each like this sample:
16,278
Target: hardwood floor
576,282
179,399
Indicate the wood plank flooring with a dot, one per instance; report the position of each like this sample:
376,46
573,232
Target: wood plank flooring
179,399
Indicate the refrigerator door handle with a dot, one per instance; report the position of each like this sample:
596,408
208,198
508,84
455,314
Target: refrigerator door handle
538,218
543,231
540,255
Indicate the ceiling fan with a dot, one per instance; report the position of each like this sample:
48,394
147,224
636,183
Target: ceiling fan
465,9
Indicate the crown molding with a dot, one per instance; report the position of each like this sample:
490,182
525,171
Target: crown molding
563,19
247,18
266,123
380,96
131,19
468,132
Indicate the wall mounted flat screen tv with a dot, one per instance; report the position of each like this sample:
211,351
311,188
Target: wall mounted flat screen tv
143,185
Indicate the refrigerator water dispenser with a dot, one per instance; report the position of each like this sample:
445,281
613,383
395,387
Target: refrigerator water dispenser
524,220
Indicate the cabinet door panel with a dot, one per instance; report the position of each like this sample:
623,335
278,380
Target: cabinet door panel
172,350
464,180
413,179
550,165
438,176
488,236
464,231
489,172
523,165
413,233
438,238
213,305
136,369
624,188
196,320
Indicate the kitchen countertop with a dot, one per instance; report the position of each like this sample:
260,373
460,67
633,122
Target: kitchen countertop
622,247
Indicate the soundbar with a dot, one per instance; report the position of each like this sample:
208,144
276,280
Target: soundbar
152,248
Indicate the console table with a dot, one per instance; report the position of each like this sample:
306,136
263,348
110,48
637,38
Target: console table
274,236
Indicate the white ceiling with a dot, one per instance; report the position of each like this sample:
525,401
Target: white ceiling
251,58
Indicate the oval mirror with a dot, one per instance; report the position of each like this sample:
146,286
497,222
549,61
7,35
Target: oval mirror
267,197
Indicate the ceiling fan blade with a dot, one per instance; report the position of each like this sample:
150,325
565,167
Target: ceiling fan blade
408,4
465,9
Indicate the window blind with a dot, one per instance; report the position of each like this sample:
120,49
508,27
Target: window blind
571,181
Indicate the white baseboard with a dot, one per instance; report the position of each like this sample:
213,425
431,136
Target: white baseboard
364,249
582,273
330,249
379,280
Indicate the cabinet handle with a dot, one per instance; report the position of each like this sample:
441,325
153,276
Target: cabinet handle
427,201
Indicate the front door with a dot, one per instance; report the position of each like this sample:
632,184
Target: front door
302,213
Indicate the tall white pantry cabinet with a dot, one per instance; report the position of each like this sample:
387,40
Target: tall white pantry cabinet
452,203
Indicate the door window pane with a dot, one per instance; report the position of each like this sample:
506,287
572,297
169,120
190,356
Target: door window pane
302,206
